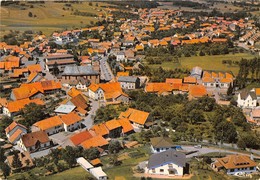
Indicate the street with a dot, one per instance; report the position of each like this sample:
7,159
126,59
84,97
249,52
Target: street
106,72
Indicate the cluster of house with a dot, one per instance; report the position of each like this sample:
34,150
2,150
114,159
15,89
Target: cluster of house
170,160
249,101
199,83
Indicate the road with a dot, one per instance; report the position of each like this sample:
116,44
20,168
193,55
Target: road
205,150
106,72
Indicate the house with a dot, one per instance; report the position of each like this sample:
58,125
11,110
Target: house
247,99
114,128
79,138
129,82
127,127
35,90
233,164
14,132
167,163
34,141
86,72
255,114
120,56
13,108
100,130
217,79
24,157
96,141
50,125
81,103
96,162
95,92
197,91
68,122
159,88
190,80
71,121
160,144
136,117
176,85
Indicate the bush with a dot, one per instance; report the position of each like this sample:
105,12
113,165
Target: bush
30,14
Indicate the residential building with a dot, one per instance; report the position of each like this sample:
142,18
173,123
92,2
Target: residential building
96,141
160,144
34,141
197,91
196,72
120,56
167,163
129,82
233,164
136,117
68,122
247,99
79,138
127,127
13,108
14,132
95,92
61,60
217,79
114,128
159,88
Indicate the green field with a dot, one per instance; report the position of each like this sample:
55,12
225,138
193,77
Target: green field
206,62
50,16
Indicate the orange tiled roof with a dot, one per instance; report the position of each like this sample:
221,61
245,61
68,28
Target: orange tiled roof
208,80
190,79
125,123
15,106
70,118
257,91
112,124
173,81
31,76
15,135
95,162
93,87
134,115
12,126
96,141
73,92
197,90
34,68
80,137
48,123
236,161
158,87
122,74
100,129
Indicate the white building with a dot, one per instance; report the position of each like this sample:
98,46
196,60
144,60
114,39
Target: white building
98,173
95,92
120,56
34,141
129,82
161,144
233,164
167,163
247,99
14,132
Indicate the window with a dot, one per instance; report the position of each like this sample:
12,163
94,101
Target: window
153,170
232,170
252,168
161,170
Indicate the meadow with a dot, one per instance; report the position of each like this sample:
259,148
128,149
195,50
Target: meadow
206,62
49,16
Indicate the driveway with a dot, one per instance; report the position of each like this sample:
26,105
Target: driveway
106,72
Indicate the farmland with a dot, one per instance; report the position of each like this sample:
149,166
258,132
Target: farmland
47,17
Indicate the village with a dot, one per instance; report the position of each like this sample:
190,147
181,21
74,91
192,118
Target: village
91,97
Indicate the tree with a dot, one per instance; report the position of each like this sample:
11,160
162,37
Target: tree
114,147
241,144
30,14
90,4
16,163
50,168
5,169
230,90
202,53
60,167
2,155
69,156
56,69
32,113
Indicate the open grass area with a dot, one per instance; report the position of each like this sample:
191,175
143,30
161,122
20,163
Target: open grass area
206,62
50,16
76,173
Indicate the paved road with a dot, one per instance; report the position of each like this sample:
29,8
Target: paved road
48,75
89,119
205,150
106,72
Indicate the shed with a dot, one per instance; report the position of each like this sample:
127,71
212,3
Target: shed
84,163
98,173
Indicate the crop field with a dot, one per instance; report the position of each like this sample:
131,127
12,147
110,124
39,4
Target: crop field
47,17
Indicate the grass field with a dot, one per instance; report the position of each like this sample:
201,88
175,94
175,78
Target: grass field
206,62
50,16
76,173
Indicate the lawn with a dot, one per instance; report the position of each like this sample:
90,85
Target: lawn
50,16
74,173
206,62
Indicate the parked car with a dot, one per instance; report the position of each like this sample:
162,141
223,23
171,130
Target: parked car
198,146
